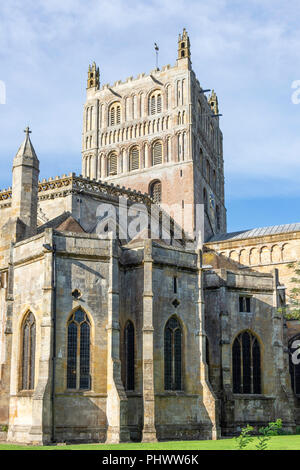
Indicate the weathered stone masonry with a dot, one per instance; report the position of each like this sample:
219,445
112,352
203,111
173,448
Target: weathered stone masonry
115,338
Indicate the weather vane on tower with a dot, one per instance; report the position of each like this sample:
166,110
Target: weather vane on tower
156,51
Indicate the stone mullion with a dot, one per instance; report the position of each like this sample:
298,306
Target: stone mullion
165,150
173,359
103,166
147,155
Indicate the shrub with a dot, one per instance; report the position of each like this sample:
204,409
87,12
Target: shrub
244,438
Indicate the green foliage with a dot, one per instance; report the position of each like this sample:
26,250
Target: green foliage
4,428
244,438
292,310
266,433
262,439
276,443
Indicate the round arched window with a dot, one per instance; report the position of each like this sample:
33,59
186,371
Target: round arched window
157,153
155,191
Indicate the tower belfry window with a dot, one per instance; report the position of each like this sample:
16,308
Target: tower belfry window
114,115
157,153
155,191
155,103
158,104
112,164
134,159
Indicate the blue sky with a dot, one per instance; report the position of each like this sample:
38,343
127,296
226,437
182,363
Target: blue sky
248,51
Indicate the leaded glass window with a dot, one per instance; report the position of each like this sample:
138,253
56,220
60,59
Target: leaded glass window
173,355
246,364
78,360
28,351
129,355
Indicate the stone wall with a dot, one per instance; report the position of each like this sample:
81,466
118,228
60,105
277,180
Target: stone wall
224,322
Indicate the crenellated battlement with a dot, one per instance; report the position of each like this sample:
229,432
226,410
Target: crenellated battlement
140,76
78,182
61,186
5,194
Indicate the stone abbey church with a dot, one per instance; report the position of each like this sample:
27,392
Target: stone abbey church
143,338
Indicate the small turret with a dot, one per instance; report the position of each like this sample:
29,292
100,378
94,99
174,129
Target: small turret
184,48
213,102
93,77
25,187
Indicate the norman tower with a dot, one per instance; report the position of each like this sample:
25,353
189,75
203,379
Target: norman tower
159,134
106,338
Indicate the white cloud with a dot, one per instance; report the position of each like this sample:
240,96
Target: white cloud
248,51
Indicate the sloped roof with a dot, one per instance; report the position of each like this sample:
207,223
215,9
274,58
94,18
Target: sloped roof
65,222
26,149
256,232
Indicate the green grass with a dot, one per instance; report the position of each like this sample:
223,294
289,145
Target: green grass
276,443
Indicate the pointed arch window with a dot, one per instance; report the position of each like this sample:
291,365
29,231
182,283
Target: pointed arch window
173,355
28,351
157,153
129,355
78,360
134,159
246,364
